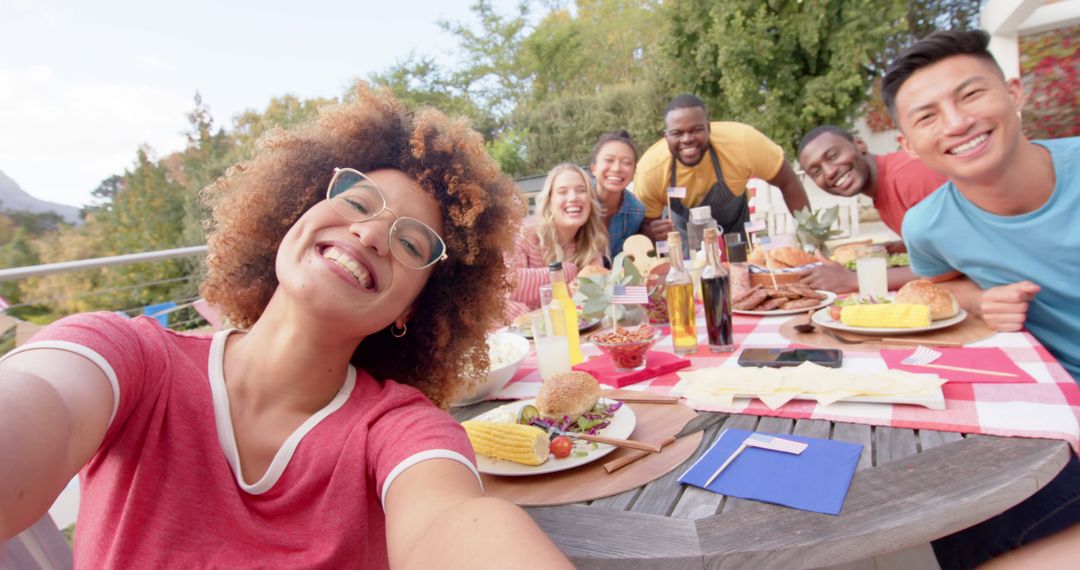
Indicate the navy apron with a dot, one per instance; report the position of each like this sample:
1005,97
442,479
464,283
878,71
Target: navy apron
729,211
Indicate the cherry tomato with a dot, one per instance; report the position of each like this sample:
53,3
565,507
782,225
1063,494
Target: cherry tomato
561,447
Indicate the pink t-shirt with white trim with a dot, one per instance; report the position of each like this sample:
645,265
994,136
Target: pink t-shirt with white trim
164,490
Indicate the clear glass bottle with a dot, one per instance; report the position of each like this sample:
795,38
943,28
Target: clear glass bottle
560,296
700,219
679,291
716,296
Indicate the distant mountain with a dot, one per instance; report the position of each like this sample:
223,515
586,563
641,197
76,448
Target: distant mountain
12,197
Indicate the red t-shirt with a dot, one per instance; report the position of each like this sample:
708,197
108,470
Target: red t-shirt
164,490
902,182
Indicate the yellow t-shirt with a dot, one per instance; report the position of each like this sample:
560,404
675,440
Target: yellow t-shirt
743,151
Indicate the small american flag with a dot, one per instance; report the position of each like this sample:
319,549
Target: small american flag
754,225
676,191
764,442
768,243
775,443
630,295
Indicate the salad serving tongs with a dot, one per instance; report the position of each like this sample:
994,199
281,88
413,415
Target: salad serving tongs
608,440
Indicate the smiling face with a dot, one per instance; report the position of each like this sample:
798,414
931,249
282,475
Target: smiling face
342,268
614,168
836,165
686,131
570,203
959,116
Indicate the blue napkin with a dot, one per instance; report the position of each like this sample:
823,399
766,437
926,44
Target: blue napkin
816,480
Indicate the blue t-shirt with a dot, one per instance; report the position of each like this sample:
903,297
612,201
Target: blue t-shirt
946,232
625,222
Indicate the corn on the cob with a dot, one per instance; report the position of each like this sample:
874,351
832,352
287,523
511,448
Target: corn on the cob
512,442
887,315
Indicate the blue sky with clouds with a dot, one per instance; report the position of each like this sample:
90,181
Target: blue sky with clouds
83,83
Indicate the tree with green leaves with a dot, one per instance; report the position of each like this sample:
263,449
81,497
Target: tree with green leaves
782,66
565,128
19,251
418,82
281,112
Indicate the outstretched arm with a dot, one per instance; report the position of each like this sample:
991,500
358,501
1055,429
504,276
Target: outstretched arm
790,187
1004,308
437,517
54,410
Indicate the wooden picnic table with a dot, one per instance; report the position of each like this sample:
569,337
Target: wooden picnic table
911,487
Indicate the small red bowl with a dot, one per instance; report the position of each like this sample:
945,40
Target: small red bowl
626,355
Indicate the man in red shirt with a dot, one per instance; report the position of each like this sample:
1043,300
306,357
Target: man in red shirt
894,181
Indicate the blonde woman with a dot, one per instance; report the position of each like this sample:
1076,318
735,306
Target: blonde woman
569,228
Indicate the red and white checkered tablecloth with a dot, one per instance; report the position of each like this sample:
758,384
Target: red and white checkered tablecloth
1049,408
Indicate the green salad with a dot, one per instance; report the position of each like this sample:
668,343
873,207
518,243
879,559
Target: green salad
894,260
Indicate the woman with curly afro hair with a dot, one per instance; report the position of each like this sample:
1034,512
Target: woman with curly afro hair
357,254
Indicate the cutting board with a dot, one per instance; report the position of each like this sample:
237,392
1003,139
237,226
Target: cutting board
969,330
655,422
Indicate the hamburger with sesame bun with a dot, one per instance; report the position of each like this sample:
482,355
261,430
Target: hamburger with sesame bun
569,394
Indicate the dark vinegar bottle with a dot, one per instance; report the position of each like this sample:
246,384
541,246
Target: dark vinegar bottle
716,296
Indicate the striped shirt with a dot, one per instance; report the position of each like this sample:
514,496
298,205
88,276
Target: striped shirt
530,272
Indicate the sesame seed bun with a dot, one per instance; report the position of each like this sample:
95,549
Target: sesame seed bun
568,394
942,303
590,270
789,257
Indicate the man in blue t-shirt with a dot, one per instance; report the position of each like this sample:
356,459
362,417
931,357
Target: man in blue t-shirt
1009,217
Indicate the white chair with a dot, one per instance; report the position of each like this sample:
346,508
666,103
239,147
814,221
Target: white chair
768,203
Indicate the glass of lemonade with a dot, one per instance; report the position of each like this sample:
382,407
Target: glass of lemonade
552,348
871,266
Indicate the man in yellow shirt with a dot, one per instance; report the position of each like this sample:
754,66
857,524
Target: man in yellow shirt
711,163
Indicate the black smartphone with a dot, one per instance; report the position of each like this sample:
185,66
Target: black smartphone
778,357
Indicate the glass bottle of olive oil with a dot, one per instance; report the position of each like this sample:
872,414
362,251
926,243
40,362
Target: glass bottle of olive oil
680,299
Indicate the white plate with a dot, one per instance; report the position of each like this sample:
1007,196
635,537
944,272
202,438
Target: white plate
829,298
583,325
621,426
824,319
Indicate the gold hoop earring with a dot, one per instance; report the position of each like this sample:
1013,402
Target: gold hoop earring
395,334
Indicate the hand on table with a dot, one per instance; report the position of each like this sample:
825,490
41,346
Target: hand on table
831,277
1004,308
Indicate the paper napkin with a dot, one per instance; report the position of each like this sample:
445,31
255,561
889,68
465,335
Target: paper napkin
816,480
656,364
983,358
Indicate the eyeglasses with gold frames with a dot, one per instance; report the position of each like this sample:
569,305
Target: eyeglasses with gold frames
357,199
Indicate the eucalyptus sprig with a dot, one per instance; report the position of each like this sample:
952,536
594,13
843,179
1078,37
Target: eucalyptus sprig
595,291
815,227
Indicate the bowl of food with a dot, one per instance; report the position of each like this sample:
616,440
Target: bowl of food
506,351
627,346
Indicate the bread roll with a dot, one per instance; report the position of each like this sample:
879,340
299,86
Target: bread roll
568,394
792,257
590,270
848,251
757,257
942,303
